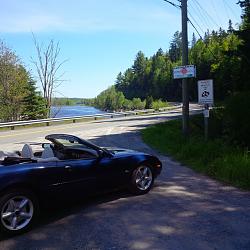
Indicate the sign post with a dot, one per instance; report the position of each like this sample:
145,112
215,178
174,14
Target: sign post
185,72
206,97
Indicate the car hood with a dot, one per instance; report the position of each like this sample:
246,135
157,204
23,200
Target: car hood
120,151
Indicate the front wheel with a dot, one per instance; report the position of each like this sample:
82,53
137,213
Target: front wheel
142,180
18,209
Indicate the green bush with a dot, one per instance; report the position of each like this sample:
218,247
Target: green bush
216,157
159,104
237,118
149,102
137,103
215,121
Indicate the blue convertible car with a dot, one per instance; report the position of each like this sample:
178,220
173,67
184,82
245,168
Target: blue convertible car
66,166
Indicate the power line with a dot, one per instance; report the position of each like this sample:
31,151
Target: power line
226,9
196,22
216,13
173,4
202,39
179,7
199,5
230,8
202,16
198,15
195,29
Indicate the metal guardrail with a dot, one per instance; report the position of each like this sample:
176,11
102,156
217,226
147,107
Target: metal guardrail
48,121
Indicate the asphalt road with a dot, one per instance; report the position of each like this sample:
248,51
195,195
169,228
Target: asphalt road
185,210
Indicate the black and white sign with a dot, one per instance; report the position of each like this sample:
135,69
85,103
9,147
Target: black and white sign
206,92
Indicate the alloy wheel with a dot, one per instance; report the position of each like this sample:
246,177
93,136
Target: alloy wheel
17,212
144,178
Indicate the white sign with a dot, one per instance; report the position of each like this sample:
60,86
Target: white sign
187,71
206,92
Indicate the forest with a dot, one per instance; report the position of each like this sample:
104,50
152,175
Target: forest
221,55
19,98
216,56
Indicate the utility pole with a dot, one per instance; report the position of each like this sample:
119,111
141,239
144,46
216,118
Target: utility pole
185,91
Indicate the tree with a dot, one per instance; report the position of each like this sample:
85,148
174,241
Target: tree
48,68
13,82
149,102
230,27
175,47
194,41
245,5
110,99
139,64
34,103
137,103
244,47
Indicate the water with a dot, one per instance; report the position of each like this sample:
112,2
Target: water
70,111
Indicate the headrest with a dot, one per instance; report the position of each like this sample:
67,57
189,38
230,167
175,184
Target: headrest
27,151
47,153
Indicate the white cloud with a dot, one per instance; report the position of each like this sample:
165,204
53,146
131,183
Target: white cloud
96,15
85,16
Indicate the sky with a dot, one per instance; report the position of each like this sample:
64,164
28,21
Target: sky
98,38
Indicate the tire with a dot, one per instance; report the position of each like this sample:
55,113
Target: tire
18,210
142,180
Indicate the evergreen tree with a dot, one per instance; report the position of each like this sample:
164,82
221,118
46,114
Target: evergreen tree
149,102
13,82
175,47
230,27
244,47
34,104
194,41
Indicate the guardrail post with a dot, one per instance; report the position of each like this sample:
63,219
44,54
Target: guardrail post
111,116
47,123
74,121
12,127
95,118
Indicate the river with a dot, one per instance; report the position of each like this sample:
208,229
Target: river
70,111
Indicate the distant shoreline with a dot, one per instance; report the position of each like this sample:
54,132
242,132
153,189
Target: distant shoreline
74,110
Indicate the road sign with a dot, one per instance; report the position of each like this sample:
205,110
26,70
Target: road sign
205,92
188,71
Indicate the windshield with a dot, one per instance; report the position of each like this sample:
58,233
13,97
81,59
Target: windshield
66,142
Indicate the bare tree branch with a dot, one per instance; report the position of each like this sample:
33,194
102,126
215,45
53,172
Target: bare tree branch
48,67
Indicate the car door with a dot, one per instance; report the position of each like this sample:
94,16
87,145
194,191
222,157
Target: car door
111,172
80,175
50,178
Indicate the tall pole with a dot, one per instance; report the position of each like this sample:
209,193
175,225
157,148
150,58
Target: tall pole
185,94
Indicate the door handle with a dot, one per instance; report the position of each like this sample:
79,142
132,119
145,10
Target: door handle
68,168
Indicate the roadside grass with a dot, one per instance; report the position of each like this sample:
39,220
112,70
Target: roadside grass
215,157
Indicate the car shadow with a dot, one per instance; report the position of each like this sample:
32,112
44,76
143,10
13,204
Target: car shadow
60,208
